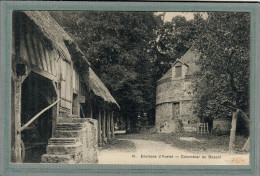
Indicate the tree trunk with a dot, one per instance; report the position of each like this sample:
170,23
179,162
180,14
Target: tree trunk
233,131
247,145
128,125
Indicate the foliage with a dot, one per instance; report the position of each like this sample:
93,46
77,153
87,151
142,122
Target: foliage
174,39
130,51
118,46
223,84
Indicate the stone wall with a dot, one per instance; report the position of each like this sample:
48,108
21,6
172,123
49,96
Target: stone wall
74,141
164,122
168,92
189,120
91,141
163,114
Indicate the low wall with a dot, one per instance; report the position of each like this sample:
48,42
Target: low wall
74,141
91,143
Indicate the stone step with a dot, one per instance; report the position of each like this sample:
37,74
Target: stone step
69,126
64,149
70,116
63,141
68,134
70,120
53,158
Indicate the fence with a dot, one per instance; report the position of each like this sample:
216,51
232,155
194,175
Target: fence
202,128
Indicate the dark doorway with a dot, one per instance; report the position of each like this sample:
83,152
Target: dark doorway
176,110
37,93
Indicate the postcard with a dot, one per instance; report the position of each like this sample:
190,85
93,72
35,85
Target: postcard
114,86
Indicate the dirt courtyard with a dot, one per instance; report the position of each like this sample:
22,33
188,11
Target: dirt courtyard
160,153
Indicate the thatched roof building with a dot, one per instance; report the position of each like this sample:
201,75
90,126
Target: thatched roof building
99,88
53,89
61,41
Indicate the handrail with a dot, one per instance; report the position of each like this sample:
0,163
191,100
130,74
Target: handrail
37,115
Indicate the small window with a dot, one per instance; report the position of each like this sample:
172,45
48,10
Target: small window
178,71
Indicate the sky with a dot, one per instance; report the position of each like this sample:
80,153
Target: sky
189,15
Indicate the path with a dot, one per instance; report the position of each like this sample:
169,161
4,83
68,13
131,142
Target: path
153,152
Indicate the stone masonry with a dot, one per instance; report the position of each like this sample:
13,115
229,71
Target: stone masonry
74,141
175,95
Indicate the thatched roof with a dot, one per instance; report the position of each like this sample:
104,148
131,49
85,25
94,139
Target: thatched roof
66,45
99,88
56,35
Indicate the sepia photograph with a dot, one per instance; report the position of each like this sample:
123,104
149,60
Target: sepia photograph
130,87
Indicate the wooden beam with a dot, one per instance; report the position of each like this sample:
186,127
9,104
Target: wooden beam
91,111
82,110
108,126
66,99
43,73
58,97
54,118
17,105
112,125
104,139
58,69
13,75
28,71
37,115
71,90
55,87
99,127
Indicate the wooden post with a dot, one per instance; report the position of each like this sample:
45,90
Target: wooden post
91,111
233,131
55,109
99,128
108,126
58,67
246,147
112,125
17,106
54,118
104,128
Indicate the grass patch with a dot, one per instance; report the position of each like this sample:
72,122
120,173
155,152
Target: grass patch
123,145
205,143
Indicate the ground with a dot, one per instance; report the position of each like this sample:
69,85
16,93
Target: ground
172,149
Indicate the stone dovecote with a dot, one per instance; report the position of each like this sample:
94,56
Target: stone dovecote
174,95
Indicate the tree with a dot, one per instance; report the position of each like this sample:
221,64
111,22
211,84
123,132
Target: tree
223,88
174,38
118,46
